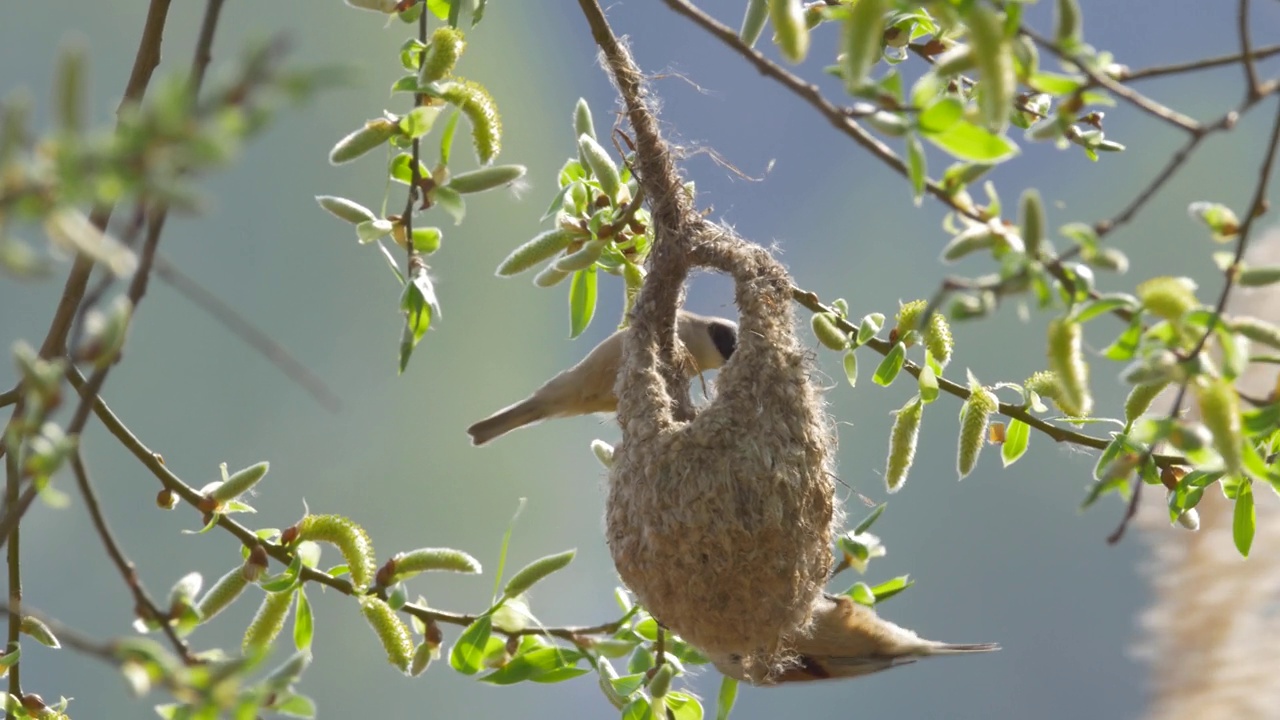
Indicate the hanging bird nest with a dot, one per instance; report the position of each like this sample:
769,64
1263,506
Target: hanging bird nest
719,518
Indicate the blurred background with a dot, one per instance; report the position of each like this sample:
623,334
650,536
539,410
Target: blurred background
1004,556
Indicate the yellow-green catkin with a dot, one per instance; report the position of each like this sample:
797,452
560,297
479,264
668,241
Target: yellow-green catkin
441,55
974,418
268,621
1066,359
902,443
476,103
1140,398
997,83
1220,412
350,539
824,327
1045,384
391,631
223,593
1257,330
1167,297
909,316
938,340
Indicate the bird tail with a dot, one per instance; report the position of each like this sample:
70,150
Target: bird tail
961,649
503,422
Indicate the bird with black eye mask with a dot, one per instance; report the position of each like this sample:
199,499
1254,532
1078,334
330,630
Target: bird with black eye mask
588,386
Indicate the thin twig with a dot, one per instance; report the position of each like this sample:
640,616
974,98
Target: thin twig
283,554
1252,90
811,301
1252,212
104,651
145,607
1138,100
12,480
810,94
253,336
9,397
1194,65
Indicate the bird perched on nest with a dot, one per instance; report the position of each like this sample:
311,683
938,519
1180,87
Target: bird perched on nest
588,386
849,640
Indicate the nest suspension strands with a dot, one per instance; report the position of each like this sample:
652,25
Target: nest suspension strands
719,519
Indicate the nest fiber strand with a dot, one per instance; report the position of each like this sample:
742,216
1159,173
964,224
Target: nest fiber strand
720,520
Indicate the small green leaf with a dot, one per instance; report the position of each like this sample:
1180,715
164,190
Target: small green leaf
917,168
1245,520
869,326
940,115
928,384
889,588
1016,437
967,141
683,706
851,368
420,120
446,137
1126,345
303,622
861,594
891,365
468,653
582,301
726,697
450,201
627,685
870,519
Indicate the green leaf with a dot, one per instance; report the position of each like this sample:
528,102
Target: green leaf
502,550
446,138
917,168
582,301
468,653
928,383
1126,345
870,519
627,685
683,706
889,588
726,697
967,141
303,622
1245,520
1104,304
1016,437
861,594
538,665
891,365
851,368
940,116
869,327
291,705
535,571
420,120
638,709
401,169
450,201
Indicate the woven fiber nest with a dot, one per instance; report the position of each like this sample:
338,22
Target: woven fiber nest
720,519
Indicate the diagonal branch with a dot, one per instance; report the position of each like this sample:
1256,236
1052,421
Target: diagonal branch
152,461
1252,89
810,94
145,607
1261,53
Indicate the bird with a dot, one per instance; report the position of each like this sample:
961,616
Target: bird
848,640
588,386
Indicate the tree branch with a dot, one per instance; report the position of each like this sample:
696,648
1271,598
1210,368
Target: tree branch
145,607
12,480
282,554
837,117
1252,90
1194,65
